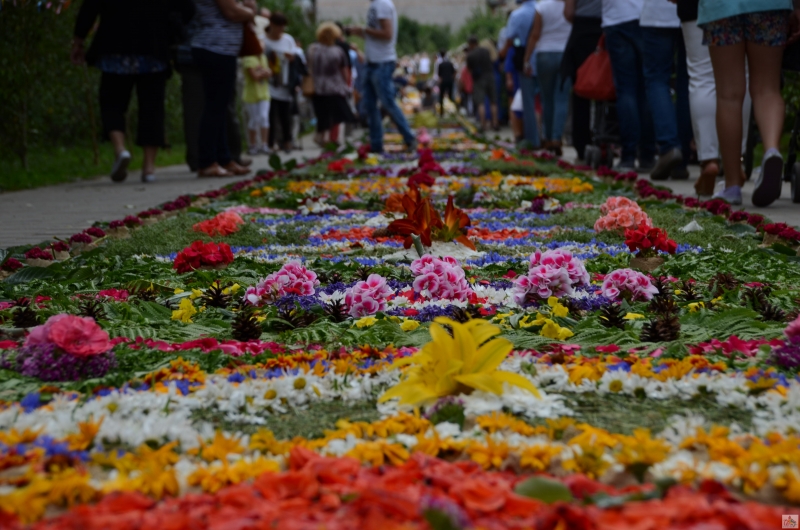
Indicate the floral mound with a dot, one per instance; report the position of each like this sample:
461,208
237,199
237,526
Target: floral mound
459,338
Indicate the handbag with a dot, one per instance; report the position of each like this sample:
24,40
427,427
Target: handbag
251,44
595,79
307,84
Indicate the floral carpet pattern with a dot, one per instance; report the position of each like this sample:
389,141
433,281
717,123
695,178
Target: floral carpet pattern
465,337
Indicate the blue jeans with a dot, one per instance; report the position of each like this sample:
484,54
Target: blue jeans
624,43
664,53
378,86
529,87
555,94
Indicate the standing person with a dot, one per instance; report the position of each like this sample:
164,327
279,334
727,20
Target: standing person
479,63
255,97
736,30
280,49
664,53
624,43
424,66
465,88
549,37
328,66
380,39
215,48
131,49
446,73
517,31
703,99
586,17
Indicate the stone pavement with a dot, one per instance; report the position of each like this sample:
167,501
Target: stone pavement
32,216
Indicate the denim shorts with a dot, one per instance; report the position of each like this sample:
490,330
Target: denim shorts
766,28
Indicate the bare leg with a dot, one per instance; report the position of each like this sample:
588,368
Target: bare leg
252,138
765,90
149,163
729,76
482,113
117,140
264,137
516,125
494,115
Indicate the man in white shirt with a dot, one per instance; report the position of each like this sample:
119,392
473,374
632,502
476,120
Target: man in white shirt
380,39
624,44
280,49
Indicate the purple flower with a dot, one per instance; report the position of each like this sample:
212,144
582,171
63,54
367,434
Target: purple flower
49,363
788,355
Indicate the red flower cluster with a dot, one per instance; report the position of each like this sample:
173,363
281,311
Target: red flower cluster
223,224
781,230
646,241
199,254
753,219
152,212
37,253
339,166
10,265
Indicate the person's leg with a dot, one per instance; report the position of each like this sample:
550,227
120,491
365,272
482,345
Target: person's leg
213,148
659,60
273,124
581,124
729,77
624,64
563,87
371,108
115,94
150,92
685,133
546,72
333,133
530,125
192,100
264,112
233,129
286,123
702,92
382,82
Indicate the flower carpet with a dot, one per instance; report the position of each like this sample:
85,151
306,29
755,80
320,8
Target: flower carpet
460,338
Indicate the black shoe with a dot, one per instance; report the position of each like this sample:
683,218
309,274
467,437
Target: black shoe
679,173
646,166
666,163
770,181
119,171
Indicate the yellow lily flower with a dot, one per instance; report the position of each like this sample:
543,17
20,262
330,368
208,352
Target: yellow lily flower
461,363
633,316
409,325
557,310
185,311
365,322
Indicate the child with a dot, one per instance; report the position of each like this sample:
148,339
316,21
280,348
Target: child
255,97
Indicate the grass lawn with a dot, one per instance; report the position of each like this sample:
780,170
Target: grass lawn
55,166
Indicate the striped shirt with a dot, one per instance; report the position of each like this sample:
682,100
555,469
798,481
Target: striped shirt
216,33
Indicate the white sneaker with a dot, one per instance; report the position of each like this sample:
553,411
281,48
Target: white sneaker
148,178
119,171
731,194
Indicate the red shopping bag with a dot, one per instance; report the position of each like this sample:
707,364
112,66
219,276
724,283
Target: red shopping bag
595,79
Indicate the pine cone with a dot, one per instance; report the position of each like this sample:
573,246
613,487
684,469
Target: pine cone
665,328
146,295
363,272
689,292
336,311
771,312
93,309
663,285
721,283
293,319
756,297
329,277
245,326
215,297
24,315
663,305
611,316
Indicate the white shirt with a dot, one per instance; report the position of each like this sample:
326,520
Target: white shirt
380,50
620,11
555,28
659,14
424,65
277,50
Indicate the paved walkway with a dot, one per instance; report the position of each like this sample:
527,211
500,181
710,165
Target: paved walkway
32,216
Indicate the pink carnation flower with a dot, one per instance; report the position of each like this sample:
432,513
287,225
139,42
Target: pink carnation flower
367,297
293,278
78,336
628,284
440,278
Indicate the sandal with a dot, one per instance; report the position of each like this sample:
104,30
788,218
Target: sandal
235,169
213,171
708,177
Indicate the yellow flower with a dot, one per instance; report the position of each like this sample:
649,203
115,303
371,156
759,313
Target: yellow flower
587,459
537,457
219,448
379,453
14,437
557,309
232,289
641,449
489,455
178,290
196,293
789,486
371,161
409,325
365,322
551,330
185,311
694,307
459,364
215,477
633,316
83,439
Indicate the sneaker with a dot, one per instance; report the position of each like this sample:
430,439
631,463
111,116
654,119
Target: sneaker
731,194
252,151
119,171
666,163
770,181
264,150
148,178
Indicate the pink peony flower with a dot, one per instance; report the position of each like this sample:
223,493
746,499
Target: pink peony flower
628,284
367,297
78,336
440,278
293,278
